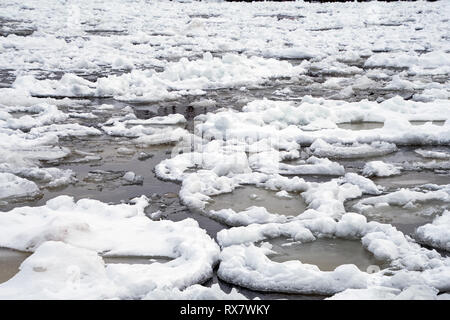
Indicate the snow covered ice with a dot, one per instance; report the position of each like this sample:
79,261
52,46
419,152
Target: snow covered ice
211,150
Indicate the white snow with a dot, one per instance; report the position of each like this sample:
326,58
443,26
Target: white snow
436,233
433,154
323,149
380,169
88,227
185,77
14,186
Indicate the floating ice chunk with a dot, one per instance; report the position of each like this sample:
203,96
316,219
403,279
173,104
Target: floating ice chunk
174,118
436,233
400,84
248,266
220,163
329,197
13,186
283,194
288,184
321,148
90,224
204,103
313,166
335,83
82,115
251,215
70,85
42,114
282,122
257,232
125,151
380,169
430,94
197,187
86,157
65,130
432,154
54,177
389,60
428,63
298,52
21,97
162,136
366,185
131,177
405,196
430,165
146,135
184,77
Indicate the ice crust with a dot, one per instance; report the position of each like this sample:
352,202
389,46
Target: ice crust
162,52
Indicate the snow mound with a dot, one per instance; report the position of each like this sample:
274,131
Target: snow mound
13,186
380,169
436,233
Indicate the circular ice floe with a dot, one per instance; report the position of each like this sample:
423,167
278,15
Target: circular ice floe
245,264
325,198
323,149
87,228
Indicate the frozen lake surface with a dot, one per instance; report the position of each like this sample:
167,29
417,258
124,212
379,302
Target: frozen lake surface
210,150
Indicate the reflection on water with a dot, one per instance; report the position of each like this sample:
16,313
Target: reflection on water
327,254
248,196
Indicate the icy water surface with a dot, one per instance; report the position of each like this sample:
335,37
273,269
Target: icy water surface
10,261
407,219
327,254
412,179
247,196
